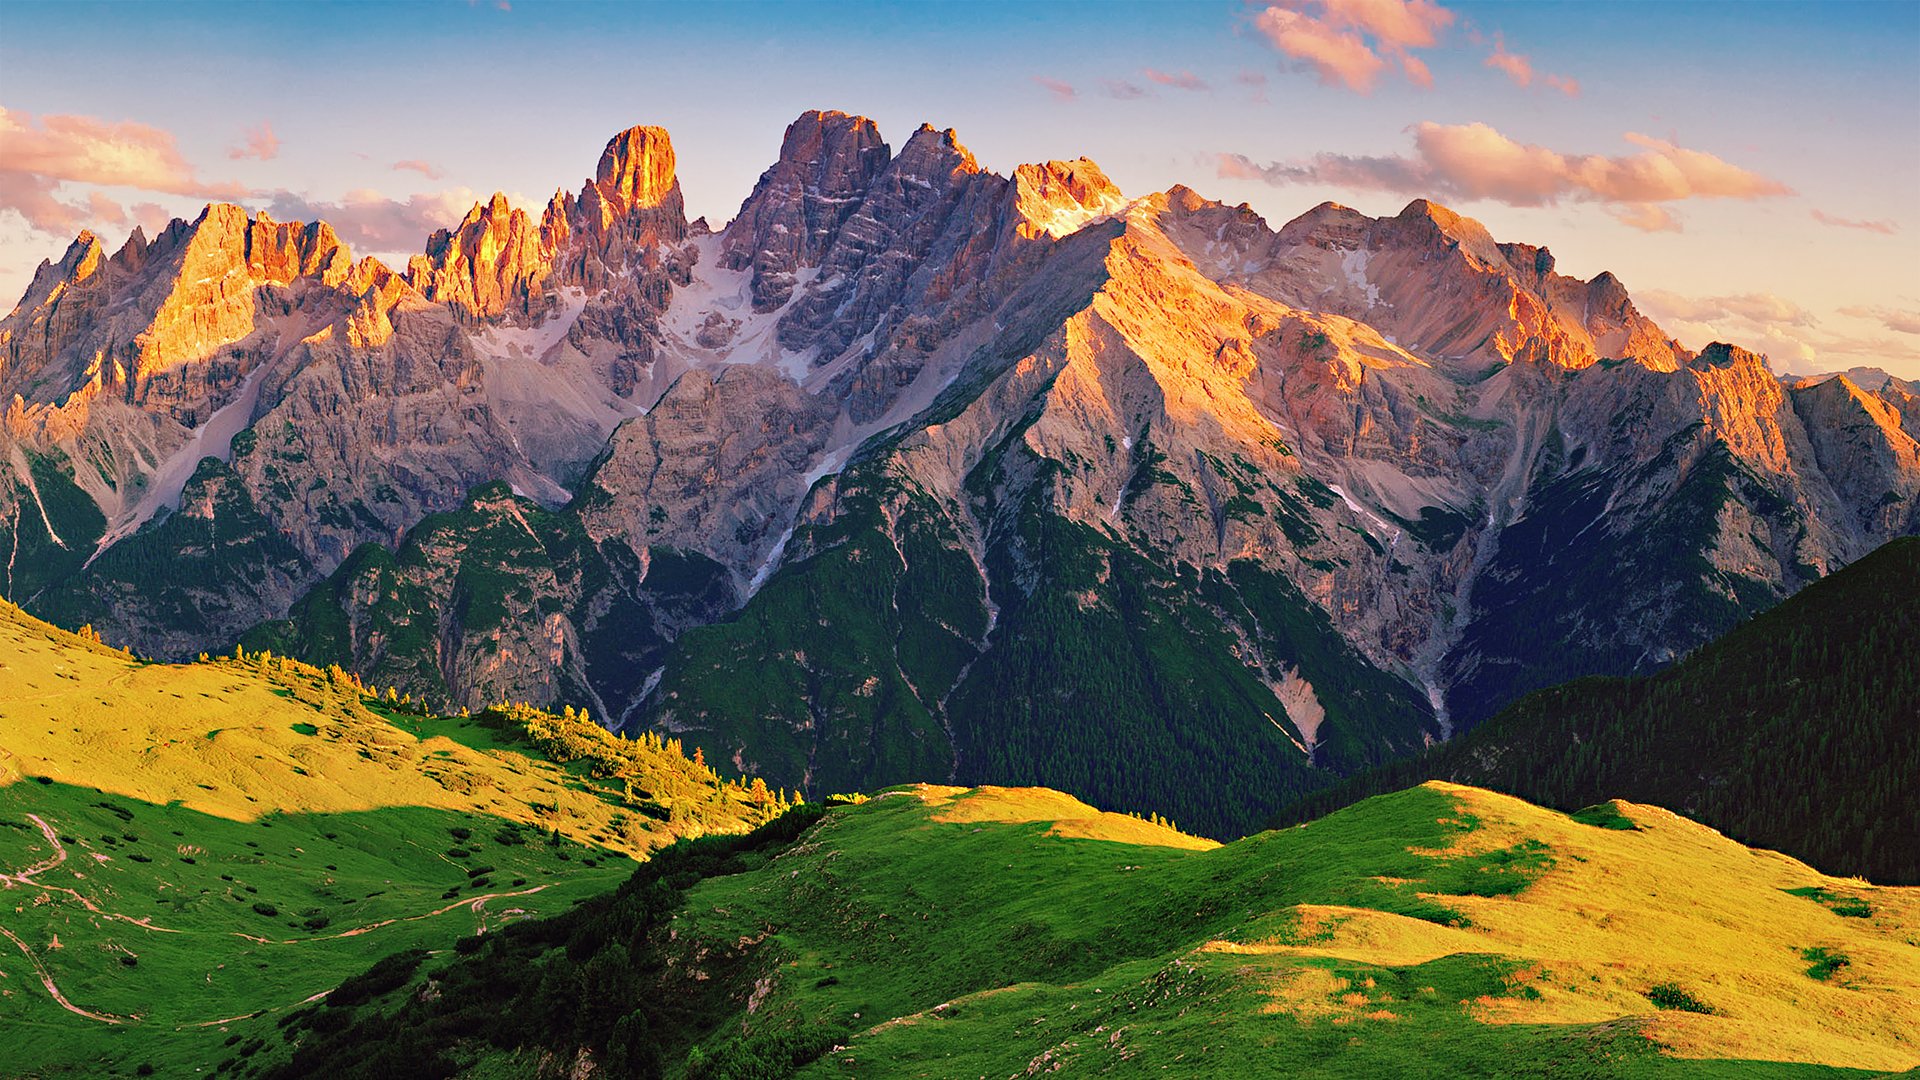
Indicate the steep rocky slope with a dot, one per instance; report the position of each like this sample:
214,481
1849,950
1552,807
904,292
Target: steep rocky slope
980,477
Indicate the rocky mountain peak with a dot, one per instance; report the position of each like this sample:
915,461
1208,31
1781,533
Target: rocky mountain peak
1425,221
1058,198
827,163
1607,294
842,152
1720,354
273,252
492,263
636,168
942,147
1329,225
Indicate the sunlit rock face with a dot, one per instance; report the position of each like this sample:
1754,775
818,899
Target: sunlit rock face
1390,471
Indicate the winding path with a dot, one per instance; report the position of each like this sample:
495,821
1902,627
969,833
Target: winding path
25,879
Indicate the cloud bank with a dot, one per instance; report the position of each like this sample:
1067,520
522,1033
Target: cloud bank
1474,161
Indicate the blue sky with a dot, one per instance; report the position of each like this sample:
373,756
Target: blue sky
1775,112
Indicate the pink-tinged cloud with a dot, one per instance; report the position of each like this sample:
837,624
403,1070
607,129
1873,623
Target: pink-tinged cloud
1566,84
1904,322
1474,161
370,221
260,144
34,199
1517,67
424,168
1647,217
1350,42
1122,90
1884,228
150,217
1416,71
83,149
1185,80
1340,58
1061,91
1756,308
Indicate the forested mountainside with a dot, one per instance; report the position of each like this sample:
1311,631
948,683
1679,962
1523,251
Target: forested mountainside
1799,731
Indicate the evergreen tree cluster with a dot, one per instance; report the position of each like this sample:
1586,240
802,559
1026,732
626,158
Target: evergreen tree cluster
1799,731
601,979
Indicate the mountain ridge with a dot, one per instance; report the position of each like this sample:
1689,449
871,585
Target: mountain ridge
1339,464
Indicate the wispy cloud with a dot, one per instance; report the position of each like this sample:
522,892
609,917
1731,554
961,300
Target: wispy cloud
38,202
87,150
1793,337
1351,42
1474,161
370,221
1123,90
38,159
1760,321
1565,84
260,144
1647,217
1884,228
1185,80
1757,307
1895,319
1061,91
424,168
1517,67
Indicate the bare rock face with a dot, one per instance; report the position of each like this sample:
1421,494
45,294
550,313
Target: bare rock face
864,275
495,262
1059,198
827,161
498,262
715,467
123,326
1865,445
632,206
1434,282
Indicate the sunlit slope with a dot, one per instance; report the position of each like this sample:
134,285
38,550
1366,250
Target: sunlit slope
188,852
241,738
1442,930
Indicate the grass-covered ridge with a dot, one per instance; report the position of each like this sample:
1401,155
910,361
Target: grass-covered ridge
936,931
190,852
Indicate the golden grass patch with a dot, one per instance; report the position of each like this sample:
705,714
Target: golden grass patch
230,739
1068,815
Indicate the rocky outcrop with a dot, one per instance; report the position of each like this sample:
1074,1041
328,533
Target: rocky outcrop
495,262
827,162
715,467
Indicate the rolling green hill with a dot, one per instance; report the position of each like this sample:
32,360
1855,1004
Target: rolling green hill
189,852
1799,731
942,932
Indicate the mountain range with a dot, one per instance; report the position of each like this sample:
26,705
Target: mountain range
914,471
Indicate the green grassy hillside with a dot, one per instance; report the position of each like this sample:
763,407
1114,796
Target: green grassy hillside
941,932
189,852
1798,731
